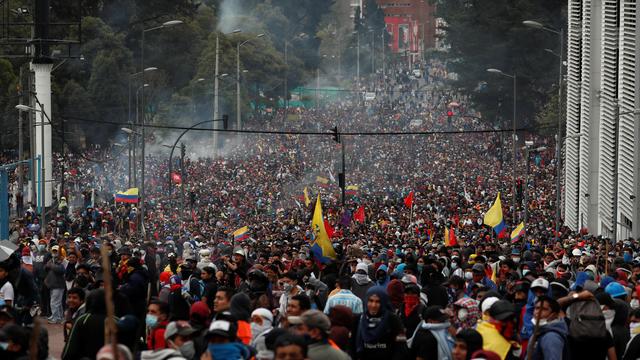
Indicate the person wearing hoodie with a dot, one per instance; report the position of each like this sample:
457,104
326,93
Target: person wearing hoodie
621,309
87,335
431,338
632,350
261,325
549,342
241,312
468,341
360,281
382,276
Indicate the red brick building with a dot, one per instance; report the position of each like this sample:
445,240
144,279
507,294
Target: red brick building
412,25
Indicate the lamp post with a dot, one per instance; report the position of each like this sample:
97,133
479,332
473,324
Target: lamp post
238,111
513,135
43,114
560,33
142,187
131,138
216,90
527,150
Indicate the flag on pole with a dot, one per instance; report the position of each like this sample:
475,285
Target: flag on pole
130,196
517,232
450,238
408,201
176,178
322,181
493,217
241,234
321,246
359,215
307,201
329,228
351,190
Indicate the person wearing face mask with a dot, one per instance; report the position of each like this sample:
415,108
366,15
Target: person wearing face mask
632,350
549,341
411,315
157,320
261,325
616,316
382,276
360,281
315,327
178,336
498,330
467,313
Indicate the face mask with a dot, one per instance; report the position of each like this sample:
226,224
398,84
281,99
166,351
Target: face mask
608,317
287,287
634,328
40,247
226,351
468,276
420,267
151,320
525,272
462,314
454,266
541,322
4,345
634,303
188,349
516,259
257,329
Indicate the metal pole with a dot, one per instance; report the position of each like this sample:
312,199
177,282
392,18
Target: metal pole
373,46
358,65
317,86
344,174
129,157
515,162
130,127
32,142
43,225
215,95
238,87
286,74
20,144
559,140
526,188
142,187
182,177
62,162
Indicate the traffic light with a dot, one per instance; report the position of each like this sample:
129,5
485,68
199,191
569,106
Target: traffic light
225,121
336,136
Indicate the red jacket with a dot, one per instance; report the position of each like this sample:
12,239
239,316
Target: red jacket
155,339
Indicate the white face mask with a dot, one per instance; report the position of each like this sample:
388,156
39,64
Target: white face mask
257,329
468,276
454,266
515,259
541,322
634,328
525,272
462,314
634,303
608,317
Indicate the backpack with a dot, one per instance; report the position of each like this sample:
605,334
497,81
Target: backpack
587,320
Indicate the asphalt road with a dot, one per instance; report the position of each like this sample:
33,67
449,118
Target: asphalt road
56,339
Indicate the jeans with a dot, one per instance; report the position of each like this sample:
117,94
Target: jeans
56,304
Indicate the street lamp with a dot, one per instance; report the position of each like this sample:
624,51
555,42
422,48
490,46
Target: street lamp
560,32
514,77
216,87
528,148
240,44
43,114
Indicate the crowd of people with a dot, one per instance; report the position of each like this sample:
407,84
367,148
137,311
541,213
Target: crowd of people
173,282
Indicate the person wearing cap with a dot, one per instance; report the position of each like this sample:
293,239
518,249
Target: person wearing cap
179,338
498,330
431,339
261,325
222,341
479,276
360,281
316,327
56,284
345,297
549,341
380,332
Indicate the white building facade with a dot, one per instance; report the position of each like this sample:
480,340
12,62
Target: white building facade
602,144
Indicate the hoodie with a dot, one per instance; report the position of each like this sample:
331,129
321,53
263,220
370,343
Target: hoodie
383,282
551,342
360,283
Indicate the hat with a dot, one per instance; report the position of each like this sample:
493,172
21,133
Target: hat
487,303
263,313
362,267
515,252
576,252
223,328
501,310
200,308
239,251
182,328
478,268
435,312
615,290
316,319
55,248
591,268
540,283
409,279
106,353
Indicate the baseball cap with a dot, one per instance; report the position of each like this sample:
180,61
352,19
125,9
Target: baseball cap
576,252
487,303
435,312
540,283
501,310
478,268
316,319
181,327
222,328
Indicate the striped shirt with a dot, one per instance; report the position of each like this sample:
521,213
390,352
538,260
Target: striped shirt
346,298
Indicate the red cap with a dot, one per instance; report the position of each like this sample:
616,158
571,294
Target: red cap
26,251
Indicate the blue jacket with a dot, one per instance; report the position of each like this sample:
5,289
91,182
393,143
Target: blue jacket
551,343
488,283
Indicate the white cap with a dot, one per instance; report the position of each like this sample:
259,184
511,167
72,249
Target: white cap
362,266
540,283
488,302
576,252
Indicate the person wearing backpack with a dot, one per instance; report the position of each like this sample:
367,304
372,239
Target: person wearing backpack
549,340
588,335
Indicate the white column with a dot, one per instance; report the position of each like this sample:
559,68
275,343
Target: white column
43,92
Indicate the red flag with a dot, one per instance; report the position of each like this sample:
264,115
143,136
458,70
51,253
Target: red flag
176,178
359,215
328,228
453,240
408,201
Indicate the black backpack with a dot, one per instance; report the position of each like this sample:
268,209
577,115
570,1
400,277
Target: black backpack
586,320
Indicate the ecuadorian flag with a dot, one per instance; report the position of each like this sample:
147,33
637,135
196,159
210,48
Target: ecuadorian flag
493,217
517,232
351,190
130,196
241,234
321,246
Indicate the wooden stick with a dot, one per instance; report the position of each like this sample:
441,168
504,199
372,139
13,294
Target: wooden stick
110,330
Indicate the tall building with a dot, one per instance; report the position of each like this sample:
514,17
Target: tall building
602,151
411,25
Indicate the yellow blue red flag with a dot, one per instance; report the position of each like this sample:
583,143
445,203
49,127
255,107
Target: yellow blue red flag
130,196
241,234
517,232
321,246
493,217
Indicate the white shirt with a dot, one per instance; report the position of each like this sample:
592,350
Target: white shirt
6,292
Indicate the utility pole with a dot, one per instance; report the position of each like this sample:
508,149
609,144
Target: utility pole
183,151
20,196
215,96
